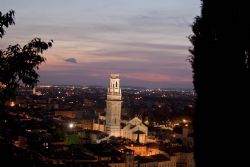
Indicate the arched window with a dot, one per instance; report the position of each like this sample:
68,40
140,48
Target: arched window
116,84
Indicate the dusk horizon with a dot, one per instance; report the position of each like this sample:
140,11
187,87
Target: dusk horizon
124,83
146,44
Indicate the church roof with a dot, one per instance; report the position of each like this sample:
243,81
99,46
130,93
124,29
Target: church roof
135,120
138,132
132,126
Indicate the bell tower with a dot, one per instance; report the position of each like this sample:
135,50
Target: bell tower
113,105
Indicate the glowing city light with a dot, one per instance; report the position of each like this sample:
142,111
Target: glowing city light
184,121
12,104
71,125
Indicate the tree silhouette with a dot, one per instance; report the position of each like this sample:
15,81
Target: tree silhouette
18,64
5,21
220,61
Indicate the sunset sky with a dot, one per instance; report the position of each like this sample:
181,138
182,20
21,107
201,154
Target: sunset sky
145,41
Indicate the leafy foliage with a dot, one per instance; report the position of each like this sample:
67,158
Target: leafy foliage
5,21
18,64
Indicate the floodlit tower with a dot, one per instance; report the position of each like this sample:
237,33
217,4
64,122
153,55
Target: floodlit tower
113,104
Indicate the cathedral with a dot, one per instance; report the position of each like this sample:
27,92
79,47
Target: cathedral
134,129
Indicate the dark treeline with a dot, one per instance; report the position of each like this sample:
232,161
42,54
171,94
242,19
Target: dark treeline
220,60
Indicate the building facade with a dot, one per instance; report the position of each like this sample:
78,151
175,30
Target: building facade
135,130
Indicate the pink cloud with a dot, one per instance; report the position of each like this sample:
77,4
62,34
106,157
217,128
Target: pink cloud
154,77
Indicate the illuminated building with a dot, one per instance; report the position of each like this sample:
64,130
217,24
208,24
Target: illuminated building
135,130
113,104
10,103
143,150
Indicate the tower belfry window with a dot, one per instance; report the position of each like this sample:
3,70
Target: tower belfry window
116,84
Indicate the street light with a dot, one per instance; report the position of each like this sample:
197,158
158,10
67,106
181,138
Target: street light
184,121
71,125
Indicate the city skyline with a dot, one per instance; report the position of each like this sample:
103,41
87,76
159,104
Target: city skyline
144,41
